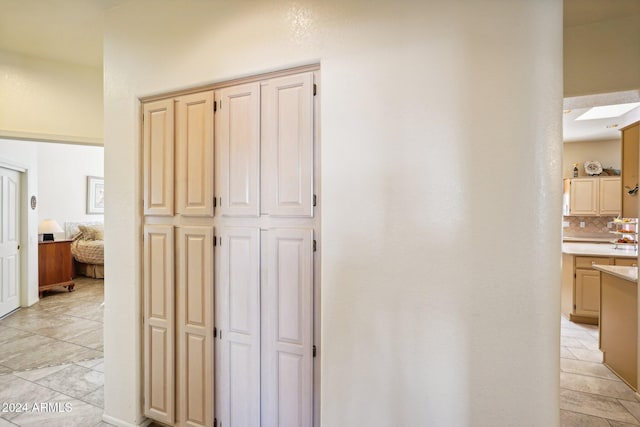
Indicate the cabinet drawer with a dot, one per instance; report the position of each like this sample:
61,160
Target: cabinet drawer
587,261
630,262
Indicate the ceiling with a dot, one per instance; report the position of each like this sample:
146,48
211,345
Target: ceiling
72,30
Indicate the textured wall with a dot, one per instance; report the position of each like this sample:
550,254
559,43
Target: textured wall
439,305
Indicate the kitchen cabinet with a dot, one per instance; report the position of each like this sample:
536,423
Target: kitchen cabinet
594,196
619,326
610,196
630,142
581,287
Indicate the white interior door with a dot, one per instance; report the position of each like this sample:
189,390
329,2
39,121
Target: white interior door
287,329
9,240
238,323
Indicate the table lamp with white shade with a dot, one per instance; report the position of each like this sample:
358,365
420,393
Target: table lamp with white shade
47,228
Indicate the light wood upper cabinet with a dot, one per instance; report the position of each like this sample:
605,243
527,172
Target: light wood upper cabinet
596,196
159,323
287,146
630,143
158,157
194,321
583,196
610,200
194,154
238,150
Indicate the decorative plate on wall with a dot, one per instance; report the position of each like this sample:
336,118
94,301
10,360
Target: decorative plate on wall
592,168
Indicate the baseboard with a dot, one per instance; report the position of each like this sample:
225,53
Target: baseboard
119,423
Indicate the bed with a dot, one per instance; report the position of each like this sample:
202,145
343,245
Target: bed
87,247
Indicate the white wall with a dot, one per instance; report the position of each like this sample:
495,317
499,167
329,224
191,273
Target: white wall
62,181
49,101
434,309
602,57
24,157
608,153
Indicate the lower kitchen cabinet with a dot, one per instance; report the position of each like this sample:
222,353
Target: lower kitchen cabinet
581,286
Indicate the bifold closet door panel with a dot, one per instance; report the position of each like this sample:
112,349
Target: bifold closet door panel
287,329
194,314
238,150
194,154
287,146
158,157
238,323
159,323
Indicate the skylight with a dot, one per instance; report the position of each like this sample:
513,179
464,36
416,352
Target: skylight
608,111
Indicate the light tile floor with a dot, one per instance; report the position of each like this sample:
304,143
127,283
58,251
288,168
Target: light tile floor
51,366
52,353
590,394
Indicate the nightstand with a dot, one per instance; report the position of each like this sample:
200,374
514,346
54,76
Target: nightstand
55,265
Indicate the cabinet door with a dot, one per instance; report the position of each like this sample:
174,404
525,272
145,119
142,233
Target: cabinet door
159,321
630,142
587,292
158,157
287,329
238,145
194,322
610,196
584,197
194,154
287,146
238,322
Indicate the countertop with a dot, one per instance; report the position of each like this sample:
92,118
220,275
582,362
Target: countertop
626,273
597,249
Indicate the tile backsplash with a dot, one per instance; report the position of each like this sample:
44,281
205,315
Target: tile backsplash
592,224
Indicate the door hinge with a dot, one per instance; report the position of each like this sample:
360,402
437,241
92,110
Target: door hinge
575,276
220,333
315,89
314,200
220,104
215,202
215,422
574,306
215,241
215,107
215,332
314,245
314,351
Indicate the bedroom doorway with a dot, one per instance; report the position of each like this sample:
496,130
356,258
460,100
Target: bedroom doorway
9,240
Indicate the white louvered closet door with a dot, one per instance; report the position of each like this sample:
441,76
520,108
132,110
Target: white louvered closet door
238,323
287,328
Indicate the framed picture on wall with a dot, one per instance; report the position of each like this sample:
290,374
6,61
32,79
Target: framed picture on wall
95,195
